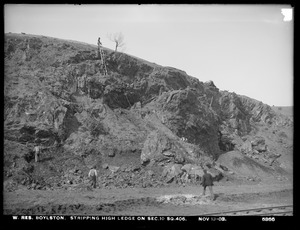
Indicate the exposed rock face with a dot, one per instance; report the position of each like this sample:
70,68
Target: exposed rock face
56,94
172,171
158,147
190,117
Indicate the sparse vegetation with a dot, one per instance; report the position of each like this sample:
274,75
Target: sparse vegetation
118,39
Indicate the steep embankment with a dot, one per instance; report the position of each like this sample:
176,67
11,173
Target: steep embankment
149,119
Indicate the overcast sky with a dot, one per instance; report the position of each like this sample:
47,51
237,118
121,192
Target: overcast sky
246,49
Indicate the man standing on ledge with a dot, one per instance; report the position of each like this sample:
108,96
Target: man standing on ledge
207,181
93,176
37,150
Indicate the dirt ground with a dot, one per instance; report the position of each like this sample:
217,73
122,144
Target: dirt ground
173,200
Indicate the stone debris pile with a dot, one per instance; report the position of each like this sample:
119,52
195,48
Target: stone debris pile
184,199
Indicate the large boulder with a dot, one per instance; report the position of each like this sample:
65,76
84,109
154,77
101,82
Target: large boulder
258,144
187,168
158,147
246,147
172,171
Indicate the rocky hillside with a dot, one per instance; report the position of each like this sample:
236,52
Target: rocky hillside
140,124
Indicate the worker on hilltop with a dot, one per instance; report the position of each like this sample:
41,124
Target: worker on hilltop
101,55
207,181
99,47
99,42
93,176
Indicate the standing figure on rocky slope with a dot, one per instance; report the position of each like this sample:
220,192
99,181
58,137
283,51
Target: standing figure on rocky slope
207,181
36,150
93,176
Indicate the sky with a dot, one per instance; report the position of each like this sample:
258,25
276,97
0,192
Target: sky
246,49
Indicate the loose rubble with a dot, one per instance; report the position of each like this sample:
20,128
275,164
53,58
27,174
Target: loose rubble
141,125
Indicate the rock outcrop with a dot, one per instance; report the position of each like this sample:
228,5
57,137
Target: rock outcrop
56,95
158,147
